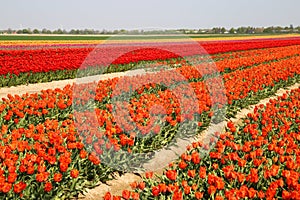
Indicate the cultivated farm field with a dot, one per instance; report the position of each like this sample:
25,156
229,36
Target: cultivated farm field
58,142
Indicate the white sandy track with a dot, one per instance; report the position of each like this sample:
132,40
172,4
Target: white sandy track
37,87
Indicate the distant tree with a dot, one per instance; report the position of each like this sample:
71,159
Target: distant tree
90,31
216,30
103,31
278,29
44,31
58,31
9,31
72,31
134,32
241,30
232,31
115,32
123,31
35,31
223,30
85,31
26,31
78,31
269,30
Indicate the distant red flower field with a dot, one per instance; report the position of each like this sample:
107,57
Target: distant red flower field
52,59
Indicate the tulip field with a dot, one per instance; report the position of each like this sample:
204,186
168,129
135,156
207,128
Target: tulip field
56,143
42,63
257,160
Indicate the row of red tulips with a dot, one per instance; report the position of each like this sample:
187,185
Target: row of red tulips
48,65
44,60
170,95
256,160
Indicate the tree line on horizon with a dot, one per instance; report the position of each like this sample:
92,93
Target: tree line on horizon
215,30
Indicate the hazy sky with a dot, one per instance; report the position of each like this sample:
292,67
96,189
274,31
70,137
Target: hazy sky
143,14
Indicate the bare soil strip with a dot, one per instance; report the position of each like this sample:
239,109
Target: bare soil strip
37,87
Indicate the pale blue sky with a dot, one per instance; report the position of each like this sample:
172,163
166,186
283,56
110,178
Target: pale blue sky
139,14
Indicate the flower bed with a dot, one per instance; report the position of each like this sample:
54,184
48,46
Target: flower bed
43,155
47,64
255,160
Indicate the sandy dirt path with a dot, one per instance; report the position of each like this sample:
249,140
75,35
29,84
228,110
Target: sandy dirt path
37,87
